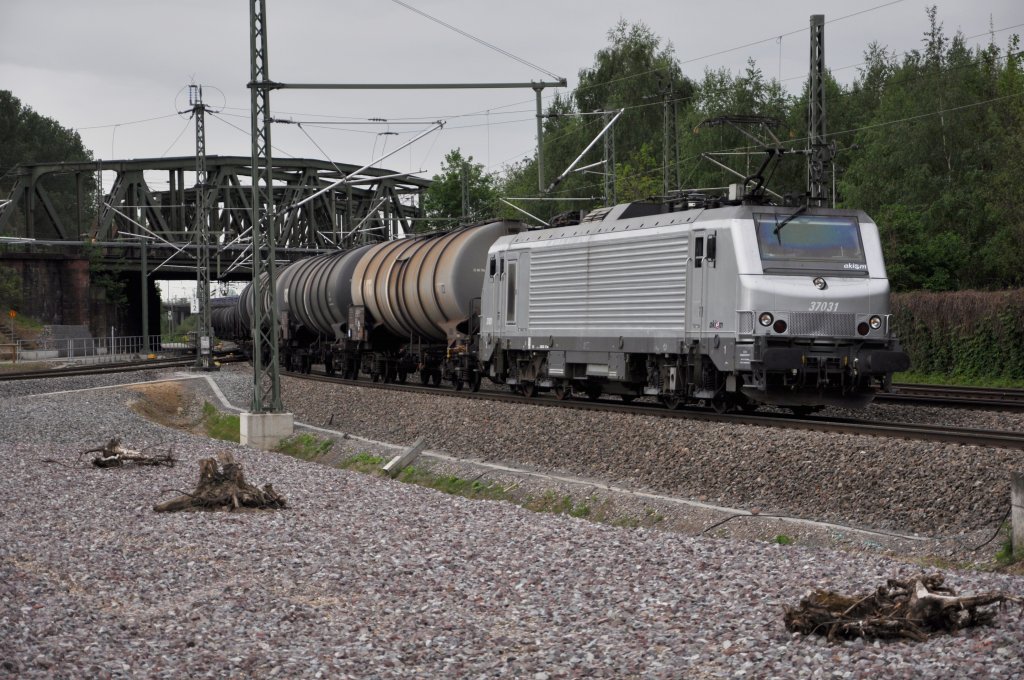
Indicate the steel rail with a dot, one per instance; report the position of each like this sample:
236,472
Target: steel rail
910,431
100,369
948,396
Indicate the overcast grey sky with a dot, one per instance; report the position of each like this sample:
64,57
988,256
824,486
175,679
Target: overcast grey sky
101,65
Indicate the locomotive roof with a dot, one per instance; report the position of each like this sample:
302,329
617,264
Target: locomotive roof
644,215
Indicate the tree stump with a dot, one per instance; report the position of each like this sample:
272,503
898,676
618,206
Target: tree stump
112,454
222,486
900,609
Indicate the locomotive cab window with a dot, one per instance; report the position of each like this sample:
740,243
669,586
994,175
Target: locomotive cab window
698,252
493,267
797,244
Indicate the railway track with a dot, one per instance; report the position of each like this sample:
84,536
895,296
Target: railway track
100,369
935,433
1007,399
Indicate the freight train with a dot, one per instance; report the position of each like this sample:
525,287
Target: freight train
694,300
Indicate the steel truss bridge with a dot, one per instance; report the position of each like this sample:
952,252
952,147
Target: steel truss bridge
376,205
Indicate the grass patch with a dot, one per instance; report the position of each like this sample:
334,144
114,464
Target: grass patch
1006,556
305,446
456,486
549,501
11,367
363,462
783,539
477,489
220,425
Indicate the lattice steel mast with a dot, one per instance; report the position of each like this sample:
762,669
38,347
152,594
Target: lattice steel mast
204,330
820,152
266,394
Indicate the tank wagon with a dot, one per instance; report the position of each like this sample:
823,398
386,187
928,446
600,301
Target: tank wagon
726,303
387,310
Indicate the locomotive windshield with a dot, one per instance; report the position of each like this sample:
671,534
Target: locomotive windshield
801,243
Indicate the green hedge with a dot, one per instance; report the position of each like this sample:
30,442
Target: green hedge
968,334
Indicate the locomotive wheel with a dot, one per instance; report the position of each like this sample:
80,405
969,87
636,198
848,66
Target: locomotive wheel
424,377
671,401
459,384
402,375
474,381
529,389
722,405
627,398
803,411
436,378
563,391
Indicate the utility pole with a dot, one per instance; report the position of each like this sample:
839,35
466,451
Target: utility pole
465,192
143,273
265,424
819,151
202,233
540,136
609,162
668,139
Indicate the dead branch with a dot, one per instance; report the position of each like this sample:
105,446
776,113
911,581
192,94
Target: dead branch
223,487
112,454
911,608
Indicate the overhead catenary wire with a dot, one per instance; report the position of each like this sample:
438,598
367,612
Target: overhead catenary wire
478,40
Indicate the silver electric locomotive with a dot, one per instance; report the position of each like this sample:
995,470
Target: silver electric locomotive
734,306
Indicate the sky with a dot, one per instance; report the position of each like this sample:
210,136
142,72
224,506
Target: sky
103,66
118,71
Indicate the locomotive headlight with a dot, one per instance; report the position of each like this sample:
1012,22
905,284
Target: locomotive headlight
875,322
765,319
780,326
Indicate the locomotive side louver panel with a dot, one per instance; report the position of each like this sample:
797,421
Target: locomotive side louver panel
612,284
822,324
746,322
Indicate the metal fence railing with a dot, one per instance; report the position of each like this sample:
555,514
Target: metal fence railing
98,350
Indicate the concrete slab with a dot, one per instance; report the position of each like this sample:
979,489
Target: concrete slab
265,430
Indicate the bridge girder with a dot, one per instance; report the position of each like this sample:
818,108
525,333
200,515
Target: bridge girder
378,206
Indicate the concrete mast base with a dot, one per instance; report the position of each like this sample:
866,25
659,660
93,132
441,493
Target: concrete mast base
265,430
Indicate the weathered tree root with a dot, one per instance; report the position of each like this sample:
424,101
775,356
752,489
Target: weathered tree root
112,454
900,609
223,488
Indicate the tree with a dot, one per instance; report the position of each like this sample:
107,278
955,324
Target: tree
27,137
461,194
10,289
635,72
938,160
722,94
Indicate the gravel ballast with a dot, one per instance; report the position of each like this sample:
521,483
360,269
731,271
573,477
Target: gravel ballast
365,577
914,487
